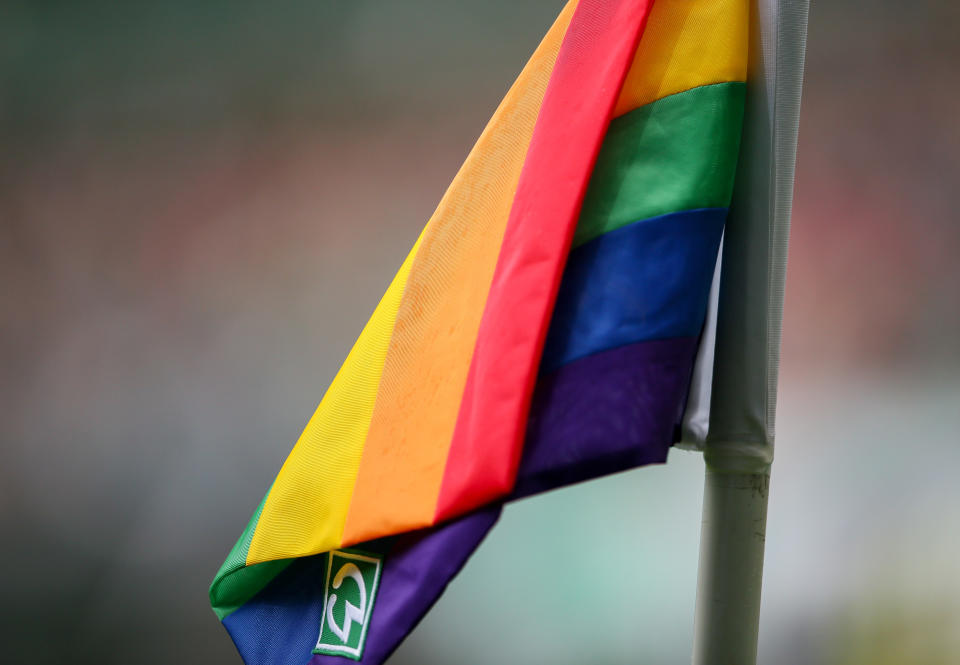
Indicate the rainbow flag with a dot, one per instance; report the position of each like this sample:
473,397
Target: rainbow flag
543,330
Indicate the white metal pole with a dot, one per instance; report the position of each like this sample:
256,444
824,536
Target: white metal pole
739,445
732,539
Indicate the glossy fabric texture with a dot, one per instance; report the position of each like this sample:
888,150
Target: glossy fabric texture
678,153
610,411
647,280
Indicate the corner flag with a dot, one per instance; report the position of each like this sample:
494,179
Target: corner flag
550,325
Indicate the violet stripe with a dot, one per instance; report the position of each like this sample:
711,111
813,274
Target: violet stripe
605,413
416,570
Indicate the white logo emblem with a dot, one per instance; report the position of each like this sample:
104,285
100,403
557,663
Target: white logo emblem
352,612
349,592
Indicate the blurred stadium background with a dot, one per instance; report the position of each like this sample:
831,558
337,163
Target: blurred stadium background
201,203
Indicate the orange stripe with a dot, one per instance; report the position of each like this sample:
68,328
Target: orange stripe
436,328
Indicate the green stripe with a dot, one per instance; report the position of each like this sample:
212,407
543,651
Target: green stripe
236,583
677,153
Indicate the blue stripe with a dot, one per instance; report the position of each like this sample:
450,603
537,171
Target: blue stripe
281,624
644,281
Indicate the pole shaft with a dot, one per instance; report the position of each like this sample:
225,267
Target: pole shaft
731,568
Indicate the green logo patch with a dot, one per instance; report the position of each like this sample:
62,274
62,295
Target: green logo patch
348,594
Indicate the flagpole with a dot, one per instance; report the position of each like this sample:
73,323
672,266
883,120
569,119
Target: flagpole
738,449
733,533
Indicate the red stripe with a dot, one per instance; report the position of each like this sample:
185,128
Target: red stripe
589,72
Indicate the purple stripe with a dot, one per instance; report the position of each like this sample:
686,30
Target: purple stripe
605,413
416,570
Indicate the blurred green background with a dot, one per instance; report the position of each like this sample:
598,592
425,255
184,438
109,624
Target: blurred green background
200,205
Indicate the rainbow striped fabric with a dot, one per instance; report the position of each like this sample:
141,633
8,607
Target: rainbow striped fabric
542,330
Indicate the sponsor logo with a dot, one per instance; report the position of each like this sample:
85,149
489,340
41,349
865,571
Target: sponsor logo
348,594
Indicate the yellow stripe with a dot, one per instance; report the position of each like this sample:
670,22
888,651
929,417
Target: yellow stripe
305,511
687,43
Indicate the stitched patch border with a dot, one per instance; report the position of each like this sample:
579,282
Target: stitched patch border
343,565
